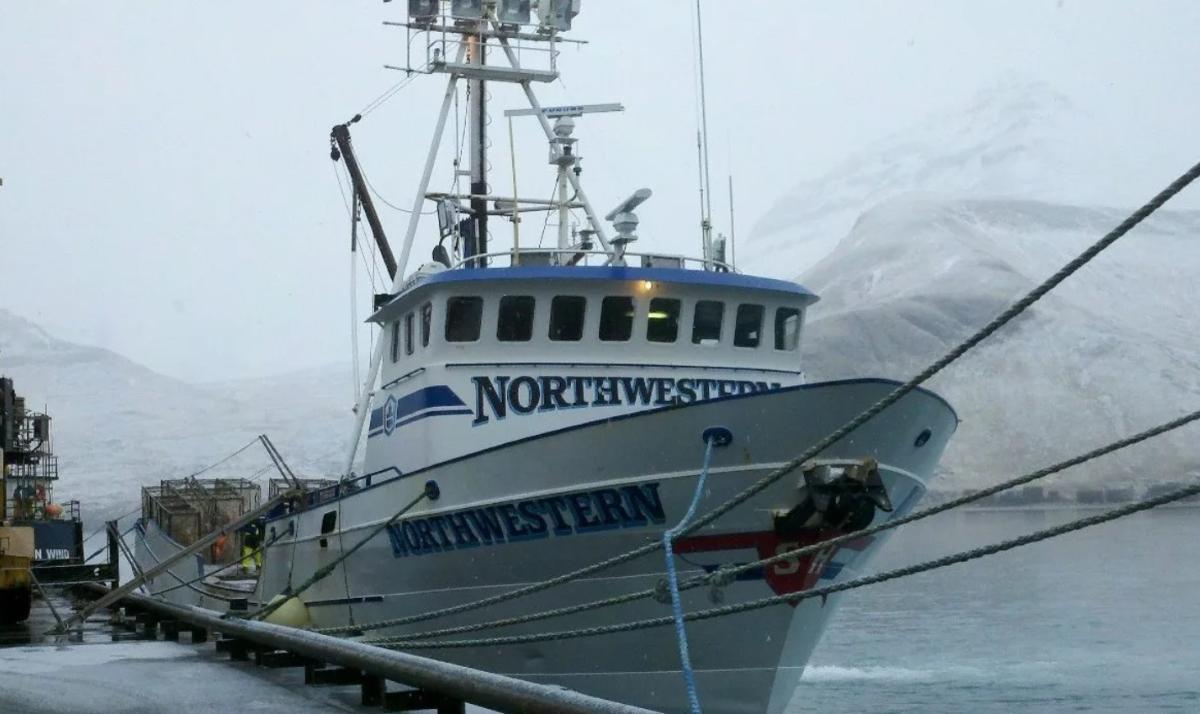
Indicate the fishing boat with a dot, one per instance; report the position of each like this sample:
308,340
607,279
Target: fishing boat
540,409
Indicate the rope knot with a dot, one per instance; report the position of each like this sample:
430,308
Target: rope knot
722,577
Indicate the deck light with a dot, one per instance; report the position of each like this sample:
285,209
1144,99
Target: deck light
467,9
556,15
423,10
647,285
657,315
513,12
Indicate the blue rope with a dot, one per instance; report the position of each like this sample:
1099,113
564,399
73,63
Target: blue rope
669,535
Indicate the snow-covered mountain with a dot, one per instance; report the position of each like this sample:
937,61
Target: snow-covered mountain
922,238
1015,139
1113,351
119,425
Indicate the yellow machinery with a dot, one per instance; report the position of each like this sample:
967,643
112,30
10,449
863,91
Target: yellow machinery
16,562
16,578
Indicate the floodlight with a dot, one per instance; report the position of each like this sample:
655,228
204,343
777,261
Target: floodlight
447,211
513,12
557,14
466,9
423,9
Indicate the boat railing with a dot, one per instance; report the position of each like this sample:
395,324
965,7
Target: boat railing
570,257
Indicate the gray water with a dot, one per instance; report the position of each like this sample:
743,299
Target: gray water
1104,620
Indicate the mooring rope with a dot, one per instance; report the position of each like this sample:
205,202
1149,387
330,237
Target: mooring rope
430,491
669,535
727,573
991,328
926,566
104,547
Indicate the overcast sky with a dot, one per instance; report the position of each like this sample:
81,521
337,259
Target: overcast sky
168,192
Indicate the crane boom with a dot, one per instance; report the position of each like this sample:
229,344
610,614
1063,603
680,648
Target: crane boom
340,135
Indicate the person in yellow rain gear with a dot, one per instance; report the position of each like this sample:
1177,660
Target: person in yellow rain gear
251,542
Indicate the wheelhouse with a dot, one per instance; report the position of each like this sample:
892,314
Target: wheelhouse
586,314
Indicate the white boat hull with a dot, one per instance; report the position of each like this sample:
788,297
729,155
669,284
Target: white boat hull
524,512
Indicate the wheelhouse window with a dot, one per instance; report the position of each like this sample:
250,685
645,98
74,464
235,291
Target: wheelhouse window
408,333
662,323
463,317
616,318
426,322
747,329
566,318
516,319
706,323
787,329
395,341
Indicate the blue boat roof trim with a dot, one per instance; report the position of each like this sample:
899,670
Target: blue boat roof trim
677,276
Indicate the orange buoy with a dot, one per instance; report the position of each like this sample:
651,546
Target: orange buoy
53,510
218,547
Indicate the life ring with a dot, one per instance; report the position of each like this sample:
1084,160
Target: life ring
39,493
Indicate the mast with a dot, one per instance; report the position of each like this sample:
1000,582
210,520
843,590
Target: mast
477,110
476,22
732,225
706,189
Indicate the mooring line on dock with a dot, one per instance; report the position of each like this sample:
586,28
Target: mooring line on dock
796,597
962,348
124,533
726,574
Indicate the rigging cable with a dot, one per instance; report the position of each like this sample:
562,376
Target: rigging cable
377,194
210,467
369,265
388,93
546,222
998,322
341,189
355,359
